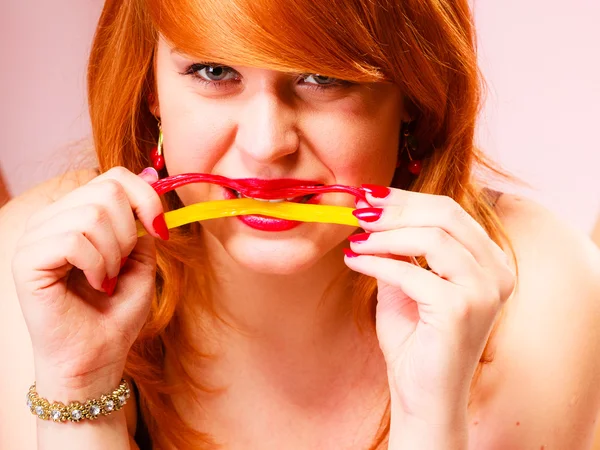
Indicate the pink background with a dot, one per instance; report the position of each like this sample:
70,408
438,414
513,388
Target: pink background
540,58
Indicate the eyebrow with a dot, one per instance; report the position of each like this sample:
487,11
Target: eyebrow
180,52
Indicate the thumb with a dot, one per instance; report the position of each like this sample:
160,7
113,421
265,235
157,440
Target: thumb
149,175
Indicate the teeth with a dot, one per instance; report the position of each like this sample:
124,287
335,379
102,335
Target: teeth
277,200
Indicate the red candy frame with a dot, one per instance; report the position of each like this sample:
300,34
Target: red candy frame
176,181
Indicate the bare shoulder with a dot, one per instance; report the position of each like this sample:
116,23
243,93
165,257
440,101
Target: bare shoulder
543,388
542,238
44,194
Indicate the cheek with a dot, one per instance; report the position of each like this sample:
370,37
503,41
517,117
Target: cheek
197,134
356,148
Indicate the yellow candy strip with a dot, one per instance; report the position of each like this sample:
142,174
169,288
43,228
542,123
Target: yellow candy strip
245,206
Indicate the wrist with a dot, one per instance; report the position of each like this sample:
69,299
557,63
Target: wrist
409,432
61,385
434,406
442,427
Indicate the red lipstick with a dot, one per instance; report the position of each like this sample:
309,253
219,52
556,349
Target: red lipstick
296,190
265,223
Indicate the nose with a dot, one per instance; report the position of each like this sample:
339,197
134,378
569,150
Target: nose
267,128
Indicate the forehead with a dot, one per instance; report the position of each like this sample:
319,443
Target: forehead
270,34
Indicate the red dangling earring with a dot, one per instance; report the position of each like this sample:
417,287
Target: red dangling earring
156,156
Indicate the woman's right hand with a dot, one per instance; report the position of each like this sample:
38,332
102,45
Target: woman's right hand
85,281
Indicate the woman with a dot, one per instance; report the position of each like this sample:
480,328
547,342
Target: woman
265,334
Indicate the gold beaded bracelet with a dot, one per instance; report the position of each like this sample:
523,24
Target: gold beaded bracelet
76,411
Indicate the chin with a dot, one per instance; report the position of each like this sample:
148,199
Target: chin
276,253
274,257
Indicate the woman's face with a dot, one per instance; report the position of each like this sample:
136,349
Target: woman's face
243,122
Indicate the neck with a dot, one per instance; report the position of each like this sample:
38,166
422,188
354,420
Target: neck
293,330
295,309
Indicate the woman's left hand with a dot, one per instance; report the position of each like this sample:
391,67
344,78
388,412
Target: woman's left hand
432,325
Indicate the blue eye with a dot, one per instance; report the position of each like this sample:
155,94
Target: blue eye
212,73
217,76
321,80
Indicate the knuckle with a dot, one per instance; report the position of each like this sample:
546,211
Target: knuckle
71,241
95,215
98,263
114,189
458,213
489,292
129,241
404,269
131,238
494,297
118,172
440,237
508,285
115,259
452,210
461,308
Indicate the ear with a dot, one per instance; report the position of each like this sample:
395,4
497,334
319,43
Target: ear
153,105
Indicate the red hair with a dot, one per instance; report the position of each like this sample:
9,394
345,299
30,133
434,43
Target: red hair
426,47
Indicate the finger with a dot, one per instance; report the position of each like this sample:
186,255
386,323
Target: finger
119,191
422,286
53,256
360,203
92,221
144,251
94,200
144,200
149,175
415,209
445,255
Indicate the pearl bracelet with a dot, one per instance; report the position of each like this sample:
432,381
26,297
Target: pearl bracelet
77,411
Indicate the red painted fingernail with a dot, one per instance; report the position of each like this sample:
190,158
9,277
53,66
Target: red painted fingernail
358,238
109,285
376,191
123,261
350,254
160,226
368,214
